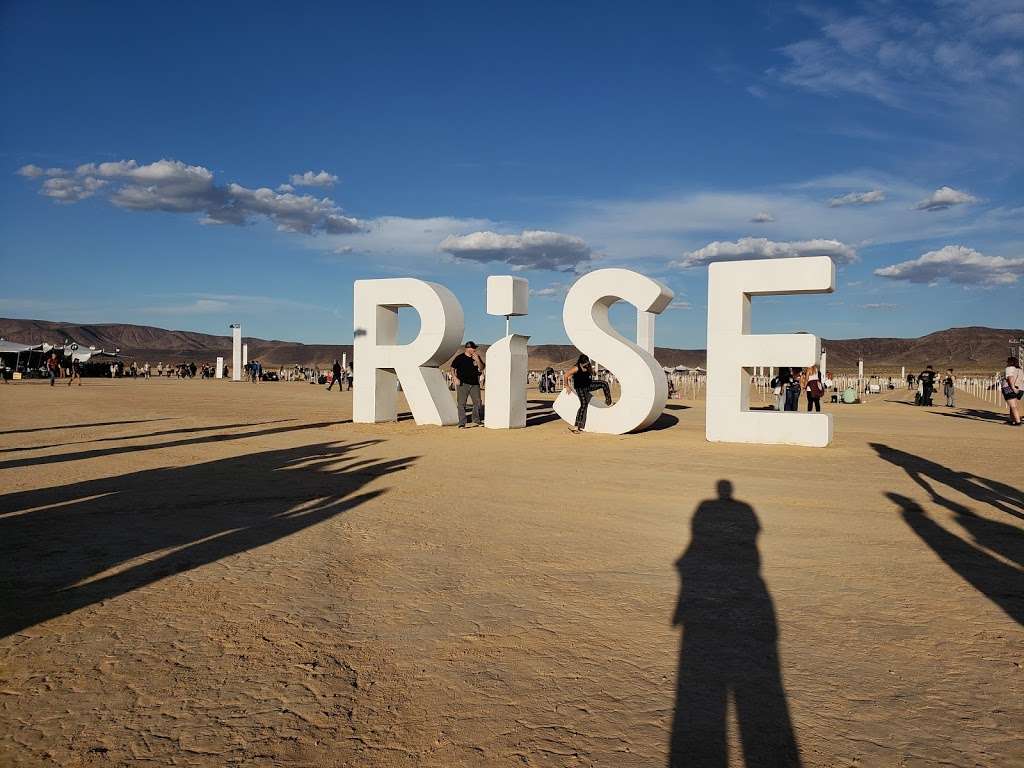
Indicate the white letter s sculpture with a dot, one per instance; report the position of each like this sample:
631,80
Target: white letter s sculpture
644,390
379,360
733,350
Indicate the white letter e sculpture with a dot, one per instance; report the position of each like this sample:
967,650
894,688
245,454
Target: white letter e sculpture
733,350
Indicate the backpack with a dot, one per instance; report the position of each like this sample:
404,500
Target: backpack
815,388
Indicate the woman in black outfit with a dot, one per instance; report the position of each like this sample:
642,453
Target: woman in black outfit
580,378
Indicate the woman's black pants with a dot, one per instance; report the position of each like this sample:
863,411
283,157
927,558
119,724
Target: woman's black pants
584,395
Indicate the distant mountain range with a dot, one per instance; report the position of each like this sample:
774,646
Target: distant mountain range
973,349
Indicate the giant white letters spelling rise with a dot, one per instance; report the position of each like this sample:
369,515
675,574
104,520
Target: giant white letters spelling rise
732,350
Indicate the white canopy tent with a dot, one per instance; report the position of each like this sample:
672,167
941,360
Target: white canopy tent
16,349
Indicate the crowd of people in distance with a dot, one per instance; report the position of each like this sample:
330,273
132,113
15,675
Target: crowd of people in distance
466,377
253,371
789,384
340,375
548,381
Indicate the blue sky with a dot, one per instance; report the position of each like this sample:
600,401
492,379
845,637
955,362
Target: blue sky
202,163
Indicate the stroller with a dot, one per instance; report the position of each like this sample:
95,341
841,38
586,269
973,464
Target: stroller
919,398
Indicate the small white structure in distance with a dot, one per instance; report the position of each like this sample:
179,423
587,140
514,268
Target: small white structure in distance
644,390
379,360
219,373
507,358
733,350
236,352
245,355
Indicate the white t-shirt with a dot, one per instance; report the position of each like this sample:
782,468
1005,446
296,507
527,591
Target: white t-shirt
1013,376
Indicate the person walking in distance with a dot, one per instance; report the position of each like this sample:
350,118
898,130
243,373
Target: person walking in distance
335,376
580,379
949,388
76,371
53,367
466,369
1013,381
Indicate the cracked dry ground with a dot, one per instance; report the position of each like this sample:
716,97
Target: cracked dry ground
201,573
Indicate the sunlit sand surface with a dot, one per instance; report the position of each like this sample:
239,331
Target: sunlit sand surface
206,573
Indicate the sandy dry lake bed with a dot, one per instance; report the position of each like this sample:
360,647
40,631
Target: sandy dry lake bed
206,573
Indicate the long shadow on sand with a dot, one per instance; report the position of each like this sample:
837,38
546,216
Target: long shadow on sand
160,433
928,474
70,546
82,426
730,645
1002,583
975,414
114,451
540,412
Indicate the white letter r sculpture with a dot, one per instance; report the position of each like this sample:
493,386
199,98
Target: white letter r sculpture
379,360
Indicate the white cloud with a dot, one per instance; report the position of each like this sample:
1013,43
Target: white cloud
397,243
957,264
285,188
881,307
71,190
857,198
762,217
533,249
166,185
291,212
34,171
680,305
950,57
310,179
944,197
196,307
175,187
761,248
552,291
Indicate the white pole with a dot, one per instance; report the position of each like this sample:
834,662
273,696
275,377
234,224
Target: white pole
645,331
344,361
245,355
219,373
236,352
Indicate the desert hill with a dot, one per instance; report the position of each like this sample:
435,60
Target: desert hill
976,349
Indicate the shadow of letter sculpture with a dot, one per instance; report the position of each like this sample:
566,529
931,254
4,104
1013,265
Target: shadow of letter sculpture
729,645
